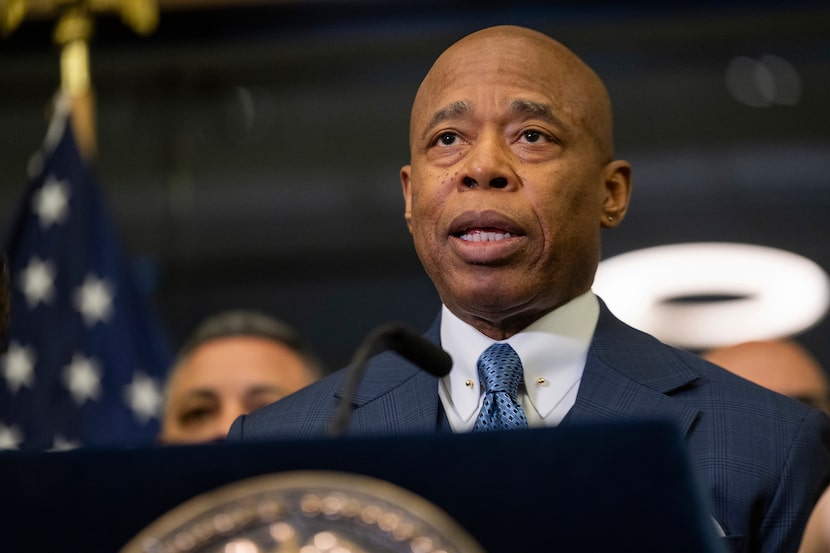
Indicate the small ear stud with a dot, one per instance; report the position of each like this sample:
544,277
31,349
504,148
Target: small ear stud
610,218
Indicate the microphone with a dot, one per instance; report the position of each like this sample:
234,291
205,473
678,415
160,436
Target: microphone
400,339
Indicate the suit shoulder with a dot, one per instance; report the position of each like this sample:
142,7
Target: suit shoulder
303,414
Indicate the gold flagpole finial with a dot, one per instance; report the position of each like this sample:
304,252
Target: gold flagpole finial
73,33
11,14
142,16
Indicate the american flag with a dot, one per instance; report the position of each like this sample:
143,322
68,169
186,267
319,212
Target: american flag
85,357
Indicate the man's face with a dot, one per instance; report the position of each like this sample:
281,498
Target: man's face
506,192
224,378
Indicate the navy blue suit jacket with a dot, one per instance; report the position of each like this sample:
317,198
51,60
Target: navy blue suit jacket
763,458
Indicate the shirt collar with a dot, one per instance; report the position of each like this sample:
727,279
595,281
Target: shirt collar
553,348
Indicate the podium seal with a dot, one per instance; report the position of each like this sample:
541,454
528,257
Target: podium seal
305,512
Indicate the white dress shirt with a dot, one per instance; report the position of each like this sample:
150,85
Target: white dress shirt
553,351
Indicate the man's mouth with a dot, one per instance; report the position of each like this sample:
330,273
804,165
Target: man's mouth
486,237
484,226
483,235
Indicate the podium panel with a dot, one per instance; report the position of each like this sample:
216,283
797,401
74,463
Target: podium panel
604,487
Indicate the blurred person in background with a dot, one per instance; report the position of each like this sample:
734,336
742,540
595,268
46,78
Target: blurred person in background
233,363
781,365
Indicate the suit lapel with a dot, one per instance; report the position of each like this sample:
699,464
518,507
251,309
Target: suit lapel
395,396
630,375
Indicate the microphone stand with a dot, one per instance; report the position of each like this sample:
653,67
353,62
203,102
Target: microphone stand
405,342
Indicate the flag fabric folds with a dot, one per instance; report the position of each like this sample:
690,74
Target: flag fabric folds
85,356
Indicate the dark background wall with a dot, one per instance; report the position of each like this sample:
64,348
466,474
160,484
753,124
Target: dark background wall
250,154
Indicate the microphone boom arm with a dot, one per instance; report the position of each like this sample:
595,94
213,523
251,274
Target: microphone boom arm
406,343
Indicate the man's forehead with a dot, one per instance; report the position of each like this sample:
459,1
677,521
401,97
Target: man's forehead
515,105
521,87
515,62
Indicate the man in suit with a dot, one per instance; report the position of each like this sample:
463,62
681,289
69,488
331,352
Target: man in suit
511,180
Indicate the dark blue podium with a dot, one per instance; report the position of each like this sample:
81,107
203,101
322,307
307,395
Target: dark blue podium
607,487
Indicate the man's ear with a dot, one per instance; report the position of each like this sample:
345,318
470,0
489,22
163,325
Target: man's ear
616,192
406,176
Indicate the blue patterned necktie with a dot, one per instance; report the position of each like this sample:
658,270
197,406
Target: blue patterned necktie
499,371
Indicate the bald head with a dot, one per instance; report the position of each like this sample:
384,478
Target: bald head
581,97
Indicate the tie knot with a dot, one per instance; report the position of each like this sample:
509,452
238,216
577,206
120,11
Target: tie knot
500,369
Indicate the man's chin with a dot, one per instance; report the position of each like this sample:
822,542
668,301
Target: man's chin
486,302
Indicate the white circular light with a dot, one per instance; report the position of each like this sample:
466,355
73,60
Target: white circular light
771,293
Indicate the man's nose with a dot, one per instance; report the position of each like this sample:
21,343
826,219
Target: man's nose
489,165
224,422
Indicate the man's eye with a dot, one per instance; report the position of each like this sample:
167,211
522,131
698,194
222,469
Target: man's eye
532,136
195,416
447,139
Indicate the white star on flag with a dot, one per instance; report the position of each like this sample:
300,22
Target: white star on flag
94,300
38,281
51,202
10,437
83,379
19,366
143,396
